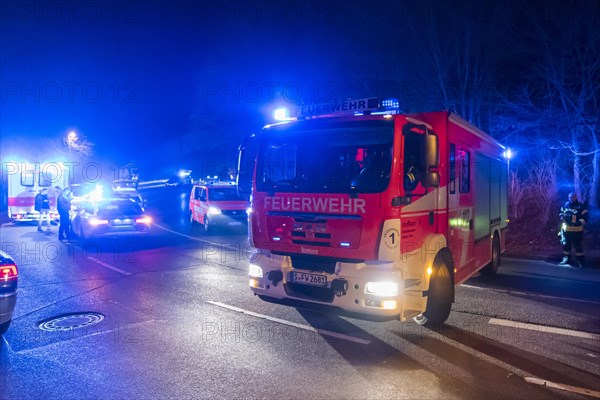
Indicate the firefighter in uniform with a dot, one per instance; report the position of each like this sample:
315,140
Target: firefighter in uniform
573,216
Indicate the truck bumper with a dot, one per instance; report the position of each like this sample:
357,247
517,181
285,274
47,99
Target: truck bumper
346,289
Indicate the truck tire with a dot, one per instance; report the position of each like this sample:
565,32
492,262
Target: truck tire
492,267
441,292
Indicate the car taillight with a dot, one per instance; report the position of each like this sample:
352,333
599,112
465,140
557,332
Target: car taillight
8,272
144,220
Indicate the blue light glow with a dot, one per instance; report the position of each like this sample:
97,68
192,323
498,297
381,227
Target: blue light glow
281,114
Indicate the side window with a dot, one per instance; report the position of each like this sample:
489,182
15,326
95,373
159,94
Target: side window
413,163
465,171
452,180
203,194
27,178
197,193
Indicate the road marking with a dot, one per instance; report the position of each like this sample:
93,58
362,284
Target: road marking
568,388
229,247
105,265
295,325
545,296
542,328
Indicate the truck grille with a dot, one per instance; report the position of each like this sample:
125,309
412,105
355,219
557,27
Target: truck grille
314,263
308,292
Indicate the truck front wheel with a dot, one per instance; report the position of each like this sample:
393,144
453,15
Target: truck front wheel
440,294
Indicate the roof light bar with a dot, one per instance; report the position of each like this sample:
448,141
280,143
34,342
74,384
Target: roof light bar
364,106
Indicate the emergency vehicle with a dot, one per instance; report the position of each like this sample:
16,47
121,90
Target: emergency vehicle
217,205
25,180
357,206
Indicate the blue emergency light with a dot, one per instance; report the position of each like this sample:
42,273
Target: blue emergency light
390,104
281,114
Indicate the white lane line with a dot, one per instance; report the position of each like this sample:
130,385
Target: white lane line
568,388
295,325
105,265
544,296
223,245
542,328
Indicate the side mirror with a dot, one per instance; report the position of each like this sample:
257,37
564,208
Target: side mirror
246,162
431,152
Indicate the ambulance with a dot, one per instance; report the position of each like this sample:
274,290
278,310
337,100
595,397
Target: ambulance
365,210
24,180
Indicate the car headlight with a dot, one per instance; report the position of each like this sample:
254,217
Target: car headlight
382,289
214,211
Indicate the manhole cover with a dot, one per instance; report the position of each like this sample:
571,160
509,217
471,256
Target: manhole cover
72,321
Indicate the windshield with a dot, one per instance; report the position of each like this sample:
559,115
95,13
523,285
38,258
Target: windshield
317,157
223,194
114,209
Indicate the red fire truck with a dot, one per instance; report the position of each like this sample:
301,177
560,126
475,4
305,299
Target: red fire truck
357,206
25,180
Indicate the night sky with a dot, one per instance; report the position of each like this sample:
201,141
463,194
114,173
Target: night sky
189,80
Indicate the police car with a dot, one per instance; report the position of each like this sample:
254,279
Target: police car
217,205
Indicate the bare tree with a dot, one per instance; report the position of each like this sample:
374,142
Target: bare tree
557,107
461,58
570,72
79,147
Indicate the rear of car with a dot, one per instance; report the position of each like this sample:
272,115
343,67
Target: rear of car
9,275
215,206
110,217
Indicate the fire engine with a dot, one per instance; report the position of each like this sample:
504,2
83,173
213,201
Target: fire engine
359,207
25,180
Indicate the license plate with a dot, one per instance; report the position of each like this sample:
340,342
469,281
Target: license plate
308,279
234,223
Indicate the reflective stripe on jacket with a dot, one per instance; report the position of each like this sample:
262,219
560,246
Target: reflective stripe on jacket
574,216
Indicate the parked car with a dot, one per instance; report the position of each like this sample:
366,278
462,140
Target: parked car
109,217
217,205
9,276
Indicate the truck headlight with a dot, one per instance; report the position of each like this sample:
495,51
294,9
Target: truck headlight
255,271
382,289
